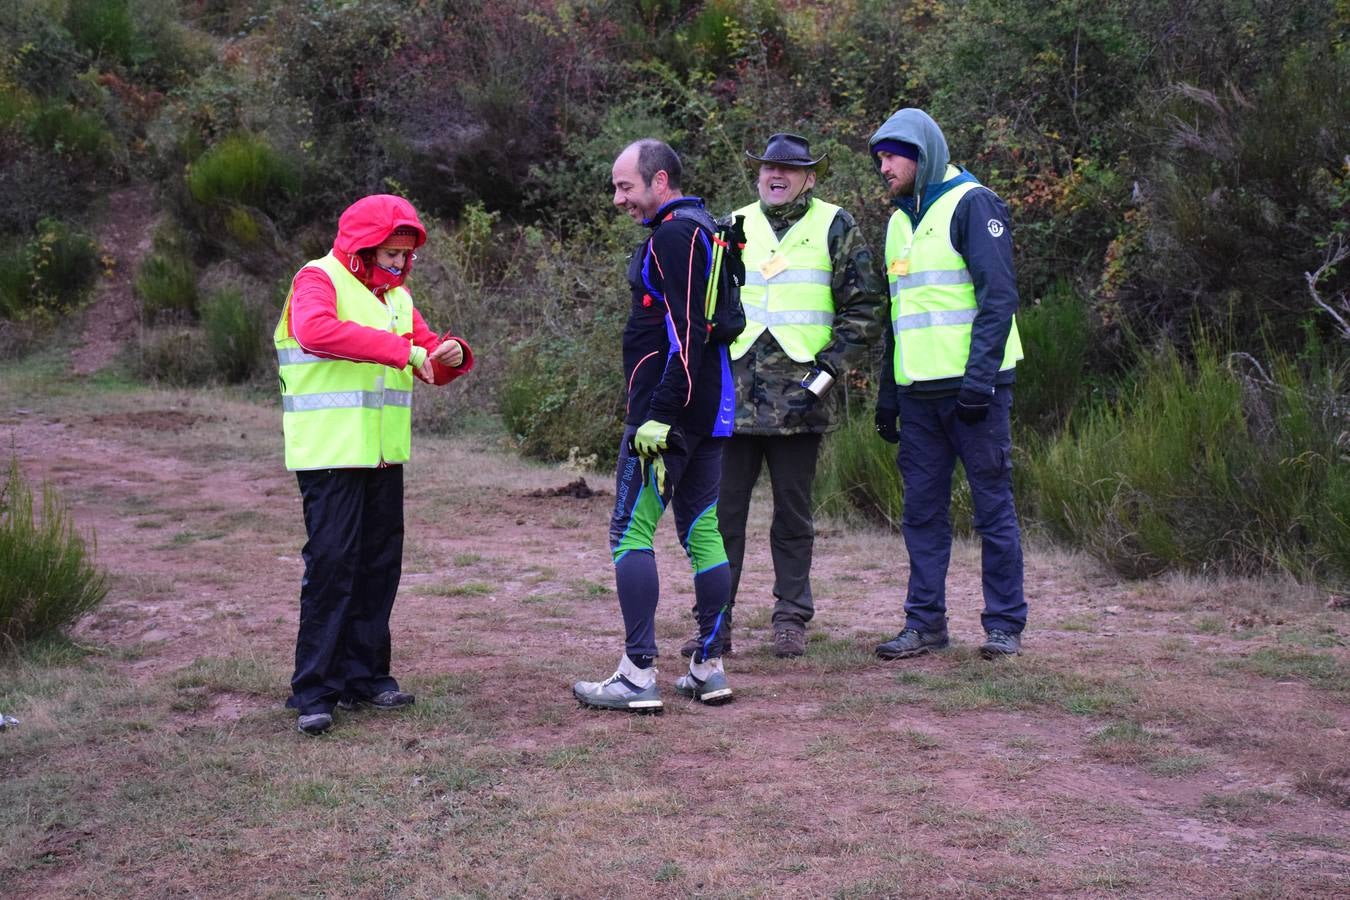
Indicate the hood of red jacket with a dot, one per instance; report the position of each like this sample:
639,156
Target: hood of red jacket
368,221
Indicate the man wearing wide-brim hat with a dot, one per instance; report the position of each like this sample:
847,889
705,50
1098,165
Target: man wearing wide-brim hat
813,299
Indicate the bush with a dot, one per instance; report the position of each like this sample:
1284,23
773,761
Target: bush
167,284
1050,380
102,27
1203,467
65,130
580,415
48,276
242,169
174,354
857,479
234,336
47,577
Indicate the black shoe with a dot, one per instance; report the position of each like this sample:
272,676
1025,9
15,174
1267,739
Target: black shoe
1000,643
383,700
314,723
912,642
690,647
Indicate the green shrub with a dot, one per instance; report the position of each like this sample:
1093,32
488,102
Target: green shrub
234,335
103,27
857,479
242,169
167,283
47,577
48,276
1050,380
1203,466
579,415
174,354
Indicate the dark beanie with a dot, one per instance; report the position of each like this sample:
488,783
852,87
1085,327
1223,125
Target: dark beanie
899,148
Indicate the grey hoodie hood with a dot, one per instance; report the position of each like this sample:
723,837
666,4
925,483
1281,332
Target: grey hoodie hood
914,126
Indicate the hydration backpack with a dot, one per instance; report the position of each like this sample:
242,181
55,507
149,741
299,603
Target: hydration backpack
722,308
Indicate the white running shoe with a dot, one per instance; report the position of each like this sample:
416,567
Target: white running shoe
629,688
705,682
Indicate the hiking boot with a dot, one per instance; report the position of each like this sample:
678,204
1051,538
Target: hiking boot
789,641
912,642
382,700
629,688
1000,643
315,723
705,682
690,647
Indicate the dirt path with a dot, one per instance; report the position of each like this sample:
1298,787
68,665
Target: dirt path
125,237
1148,744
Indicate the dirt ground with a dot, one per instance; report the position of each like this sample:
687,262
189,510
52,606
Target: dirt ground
1178,738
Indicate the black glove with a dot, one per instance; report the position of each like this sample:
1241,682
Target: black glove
886,424
734,263
972,406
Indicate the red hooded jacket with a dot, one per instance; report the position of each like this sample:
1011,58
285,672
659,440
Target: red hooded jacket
313,309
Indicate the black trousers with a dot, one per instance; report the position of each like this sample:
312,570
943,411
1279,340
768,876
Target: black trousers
353,560
792,470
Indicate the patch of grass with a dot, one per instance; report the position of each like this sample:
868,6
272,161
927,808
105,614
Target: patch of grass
1240,806
184,538
245,675
466,559
919,740
1331,785
1319,670
1124,742
1080,622
1309,637
825,745
1177,765
1210,625
1111,877
825,654
460,589
590,589
670,871
1021,683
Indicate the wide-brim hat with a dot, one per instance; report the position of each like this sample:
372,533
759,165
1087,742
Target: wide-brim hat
791,150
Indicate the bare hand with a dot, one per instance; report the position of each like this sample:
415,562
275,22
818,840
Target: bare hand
426,372
449,353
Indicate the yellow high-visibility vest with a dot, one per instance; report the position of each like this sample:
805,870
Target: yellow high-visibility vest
932,295
338,413
787,282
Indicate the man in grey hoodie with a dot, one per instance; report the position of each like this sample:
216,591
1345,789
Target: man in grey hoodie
947,376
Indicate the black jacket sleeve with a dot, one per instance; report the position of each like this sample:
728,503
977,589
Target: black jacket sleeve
982,233
680,252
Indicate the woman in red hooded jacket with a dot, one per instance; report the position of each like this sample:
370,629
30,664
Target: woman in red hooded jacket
349,343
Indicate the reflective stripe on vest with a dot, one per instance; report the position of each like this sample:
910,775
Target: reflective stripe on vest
795,305
933,304
338,413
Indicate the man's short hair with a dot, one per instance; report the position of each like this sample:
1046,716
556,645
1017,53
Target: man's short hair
657,156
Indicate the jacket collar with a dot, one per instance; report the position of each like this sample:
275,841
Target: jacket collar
670,206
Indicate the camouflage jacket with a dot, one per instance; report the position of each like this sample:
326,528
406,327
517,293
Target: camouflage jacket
766,377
